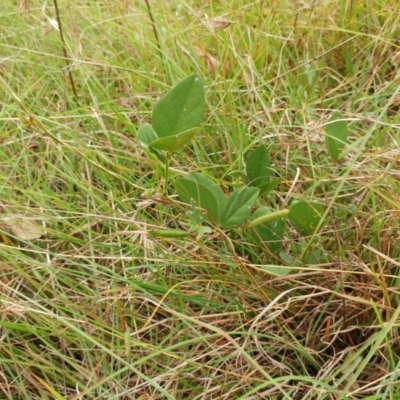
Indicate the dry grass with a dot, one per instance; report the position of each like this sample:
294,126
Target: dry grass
97,308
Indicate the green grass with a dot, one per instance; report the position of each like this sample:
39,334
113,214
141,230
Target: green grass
97,308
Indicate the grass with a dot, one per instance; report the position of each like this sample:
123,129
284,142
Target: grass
97,308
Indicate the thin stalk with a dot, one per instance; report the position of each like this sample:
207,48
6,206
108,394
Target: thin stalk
64,46
153,24
166,175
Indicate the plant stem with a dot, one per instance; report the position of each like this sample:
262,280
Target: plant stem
267,218
153,24
166,174
64,46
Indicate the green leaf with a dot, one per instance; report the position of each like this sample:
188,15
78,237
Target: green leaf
173,143
203,197
265,188
146,135
276,269
270,233
210,184
181,109
238,207
336,135
305,217
258,167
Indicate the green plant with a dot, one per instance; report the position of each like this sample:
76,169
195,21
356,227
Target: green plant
227,212
175,122
336,135
259,173
94,307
